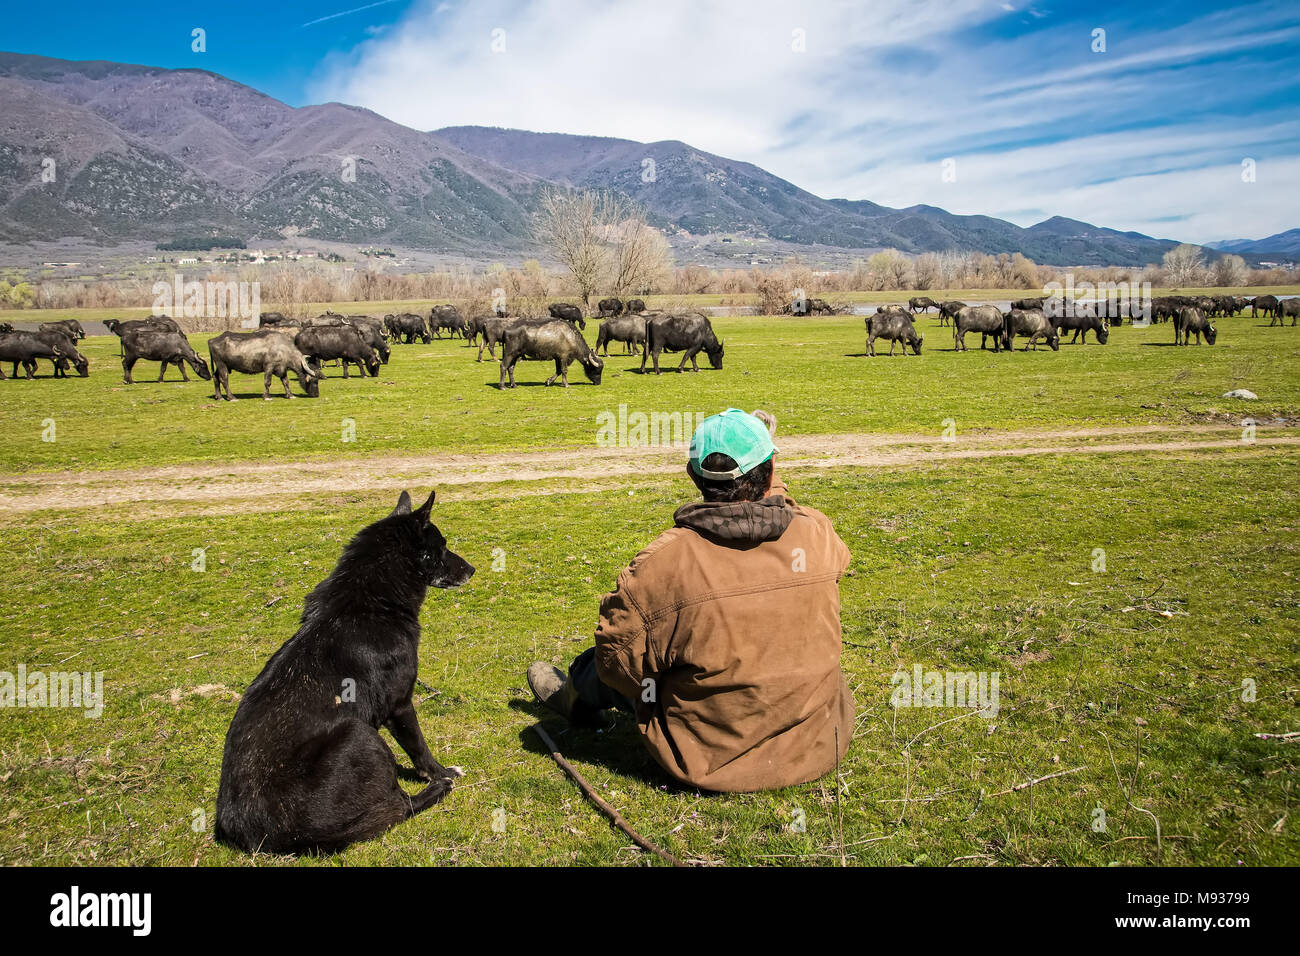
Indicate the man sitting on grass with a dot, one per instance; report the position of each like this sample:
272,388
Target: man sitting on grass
723,636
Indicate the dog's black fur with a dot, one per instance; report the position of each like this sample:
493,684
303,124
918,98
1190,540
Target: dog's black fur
304,768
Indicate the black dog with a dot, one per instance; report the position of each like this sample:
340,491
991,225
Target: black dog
304,767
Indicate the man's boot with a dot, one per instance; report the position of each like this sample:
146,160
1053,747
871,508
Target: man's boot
553,690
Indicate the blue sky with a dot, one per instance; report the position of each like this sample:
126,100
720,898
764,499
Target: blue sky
864,100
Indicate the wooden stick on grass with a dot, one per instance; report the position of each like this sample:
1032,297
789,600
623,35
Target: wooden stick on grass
605,808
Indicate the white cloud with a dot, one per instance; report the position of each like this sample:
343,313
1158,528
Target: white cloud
880,93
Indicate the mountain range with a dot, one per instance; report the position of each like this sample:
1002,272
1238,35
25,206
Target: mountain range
149,153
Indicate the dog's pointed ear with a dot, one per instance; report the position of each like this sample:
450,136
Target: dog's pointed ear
427,506
403,505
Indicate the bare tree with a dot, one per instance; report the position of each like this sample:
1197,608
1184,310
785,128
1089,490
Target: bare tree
925,271
639,253
1230,271
603,241
1184,265
575,226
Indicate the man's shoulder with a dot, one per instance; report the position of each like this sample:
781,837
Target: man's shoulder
662,546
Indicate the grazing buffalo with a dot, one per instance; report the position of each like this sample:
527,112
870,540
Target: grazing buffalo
1029,304
1264,303
1287,307
948,311
446,318
271,319
63,340
474,328
1032,323
820,307
157,323
1192,321
265,352
552,341
343,342
634,306
609,307
1081,323
407,327
372,333
492,329
24,348
568,312
690,334
896,325
628,329
70,326
921,303
985,319
1224,306
166,348
1165,307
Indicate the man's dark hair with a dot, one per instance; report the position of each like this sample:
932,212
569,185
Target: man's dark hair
751,486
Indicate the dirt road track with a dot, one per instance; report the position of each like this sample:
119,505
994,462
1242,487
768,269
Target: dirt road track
265,486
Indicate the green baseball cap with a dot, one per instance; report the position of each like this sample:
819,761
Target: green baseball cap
736,434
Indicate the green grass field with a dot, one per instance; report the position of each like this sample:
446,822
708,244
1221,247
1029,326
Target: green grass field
811,373
1134,683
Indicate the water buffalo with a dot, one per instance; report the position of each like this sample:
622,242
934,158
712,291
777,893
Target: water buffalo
71,326
492,329
448,318
372,333
341,342
948,311
1192,321
633,306
63,340
608,307
568,312
1287,307
1224,306
474,328
820,307
271,319
554,340
1029,304
264,352
1034,324
985,319
166,348
154,322
24,348
689,334
157,322
896,325
628,329
1264,303
921,303
1081,324
407,327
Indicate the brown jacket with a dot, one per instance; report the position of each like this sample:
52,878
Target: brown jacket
734,614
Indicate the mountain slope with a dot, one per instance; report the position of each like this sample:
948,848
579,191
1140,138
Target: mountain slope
703,193
150,153
1282,244
155,153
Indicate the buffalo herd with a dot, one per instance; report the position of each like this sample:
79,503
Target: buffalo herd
281,346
